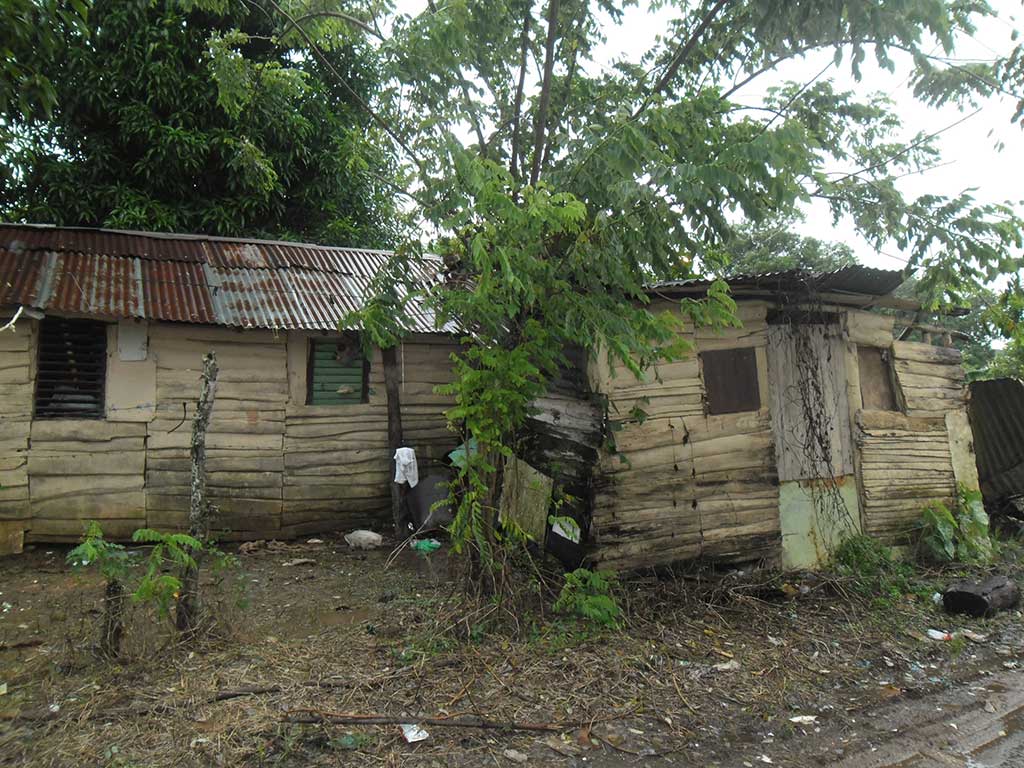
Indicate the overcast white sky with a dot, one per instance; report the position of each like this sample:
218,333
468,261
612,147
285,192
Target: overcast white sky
968,150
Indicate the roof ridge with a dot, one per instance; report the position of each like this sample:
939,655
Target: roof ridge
189,236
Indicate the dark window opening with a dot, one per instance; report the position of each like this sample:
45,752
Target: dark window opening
877,381
72,369
730,380
338,372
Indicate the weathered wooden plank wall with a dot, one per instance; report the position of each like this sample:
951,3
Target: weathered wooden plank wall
682,483
277,467
85,469
17,383
337,462
905,457
245,439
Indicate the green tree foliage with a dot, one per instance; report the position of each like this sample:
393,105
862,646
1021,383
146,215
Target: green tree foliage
774,246
34,31
989,332
142,131
589,595
558,187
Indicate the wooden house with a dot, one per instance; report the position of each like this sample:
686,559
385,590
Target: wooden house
771,440
99,378
776,439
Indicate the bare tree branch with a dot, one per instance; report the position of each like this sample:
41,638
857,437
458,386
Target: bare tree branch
684,51
335,15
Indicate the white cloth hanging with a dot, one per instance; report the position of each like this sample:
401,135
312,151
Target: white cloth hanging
406,470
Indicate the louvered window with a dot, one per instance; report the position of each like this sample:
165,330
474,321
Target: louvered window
72,370
338,372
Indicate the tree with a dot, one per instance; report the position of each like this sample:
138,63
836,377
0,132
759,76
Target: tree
557,189
138,136
774,247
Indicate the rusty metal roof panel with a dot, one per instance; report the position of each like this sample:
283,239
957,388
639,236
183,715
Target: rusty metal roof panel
177,291
96,285
192,278
20,277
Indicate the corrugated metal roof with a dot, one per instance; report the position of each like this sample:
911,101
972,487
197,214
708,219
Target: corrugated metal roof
864,281
193,278
997,421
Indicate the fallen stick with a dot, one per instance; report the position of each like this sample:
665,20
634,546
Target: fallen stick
20,644
252,690
458,721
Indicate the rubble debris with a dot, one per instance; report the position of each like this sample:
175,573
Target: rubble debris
995,594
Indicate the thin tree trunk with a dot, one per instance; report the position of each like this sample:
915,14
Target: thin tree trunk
545,92
186,616
391,386
517,117
112,630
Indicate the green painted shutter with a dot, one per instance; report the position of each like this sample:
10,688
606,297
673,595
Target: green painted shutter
333,381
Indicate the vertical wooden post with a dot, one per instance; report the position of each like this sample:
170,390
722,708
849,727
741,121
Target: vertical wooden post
187,614
391,386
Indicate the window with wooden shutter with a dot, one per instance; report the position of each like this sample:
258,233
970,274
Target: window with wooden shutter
878,390
72,369
338,372
730,380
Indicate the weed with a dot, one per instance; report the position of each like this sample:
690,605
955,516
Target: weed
350,742
956,646
873,570
960,534
588,594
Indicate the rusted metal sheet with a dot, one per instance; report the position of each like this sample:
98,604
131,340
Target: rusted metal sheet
191,278
997,421
20,276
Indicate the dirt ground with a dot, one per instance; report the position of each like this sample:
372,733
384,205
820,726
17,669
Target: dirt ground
709,670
